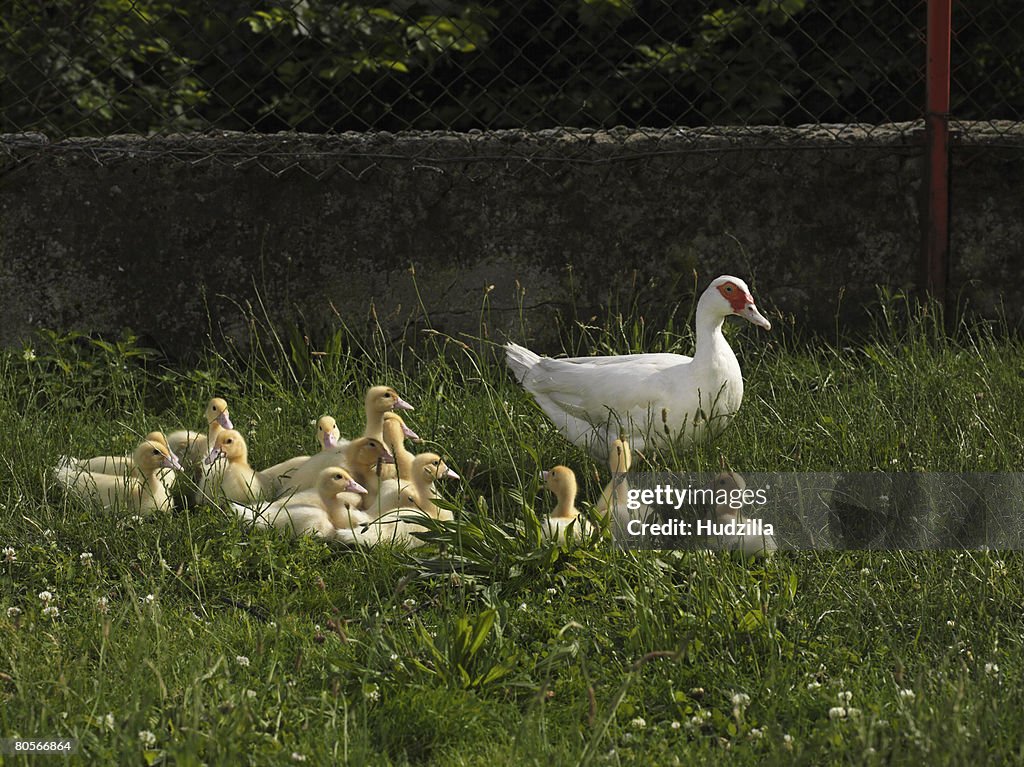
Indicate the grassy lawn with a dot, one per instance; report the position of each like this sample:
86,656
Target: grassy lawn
187,639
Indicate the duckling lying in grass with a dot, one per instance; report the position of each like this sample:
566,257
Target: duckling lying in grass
327,437
360,457
397,525
192,446
332,505
232,478
423,471
139,490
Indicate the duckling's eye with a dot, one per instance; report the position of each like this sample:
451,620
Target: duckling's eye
387,394
435,463
228,441
156,452
337,476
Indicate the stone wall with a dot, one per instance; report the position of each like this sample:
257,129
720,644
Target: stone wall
184,237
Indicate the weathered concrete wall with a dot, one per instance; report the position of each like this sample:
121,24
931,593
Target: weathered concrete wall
177,237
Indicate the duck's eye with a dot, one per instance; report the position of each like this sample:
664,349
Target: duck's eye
337,476
435,463
228,441
156,452
387,395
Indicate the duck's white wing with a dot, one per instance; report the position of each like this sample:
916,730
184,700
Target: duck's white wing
606,393
300,518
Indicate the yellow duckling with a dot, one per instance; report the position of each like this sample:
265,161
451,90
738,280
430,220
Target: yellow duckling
561,481
232,478
139,490
192,446
380,400
333,504
327,437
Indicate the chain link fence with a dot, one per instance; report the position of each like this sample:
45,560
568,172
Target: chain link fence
673,73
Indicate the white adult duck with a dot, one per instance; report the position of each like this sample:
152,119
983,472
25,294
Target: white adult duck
590,399
139,490
561,481
192,446
321,512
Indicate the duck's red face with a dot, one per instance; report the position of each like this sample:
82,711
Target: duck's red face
737,297
742,304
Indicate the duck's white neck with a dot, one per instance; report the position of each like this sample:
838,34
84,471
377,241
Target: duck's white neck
710,338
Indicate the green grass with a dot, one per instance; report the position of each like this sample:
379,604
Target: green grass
234,646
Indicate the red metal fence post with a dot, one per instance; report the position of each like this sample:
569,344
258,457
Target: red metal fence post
936,224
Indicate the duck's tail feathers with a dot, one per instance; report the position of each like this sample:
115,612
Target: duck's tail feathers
520,359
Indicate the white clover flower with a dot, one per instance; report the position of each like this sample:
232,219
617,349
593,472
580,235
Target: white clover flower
297,757
250,694
853,713
837,712
10,555
755,733
951,623
108,721
13,612
29,355
409,603
787,741
865,571
639,722
999,567
45,597
550,591
149,599
85,557
675,725
992,668
51,611
147,738
907,695
522,607
102,604
394,656
242,661
372,695
812,686
740,699
845,697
